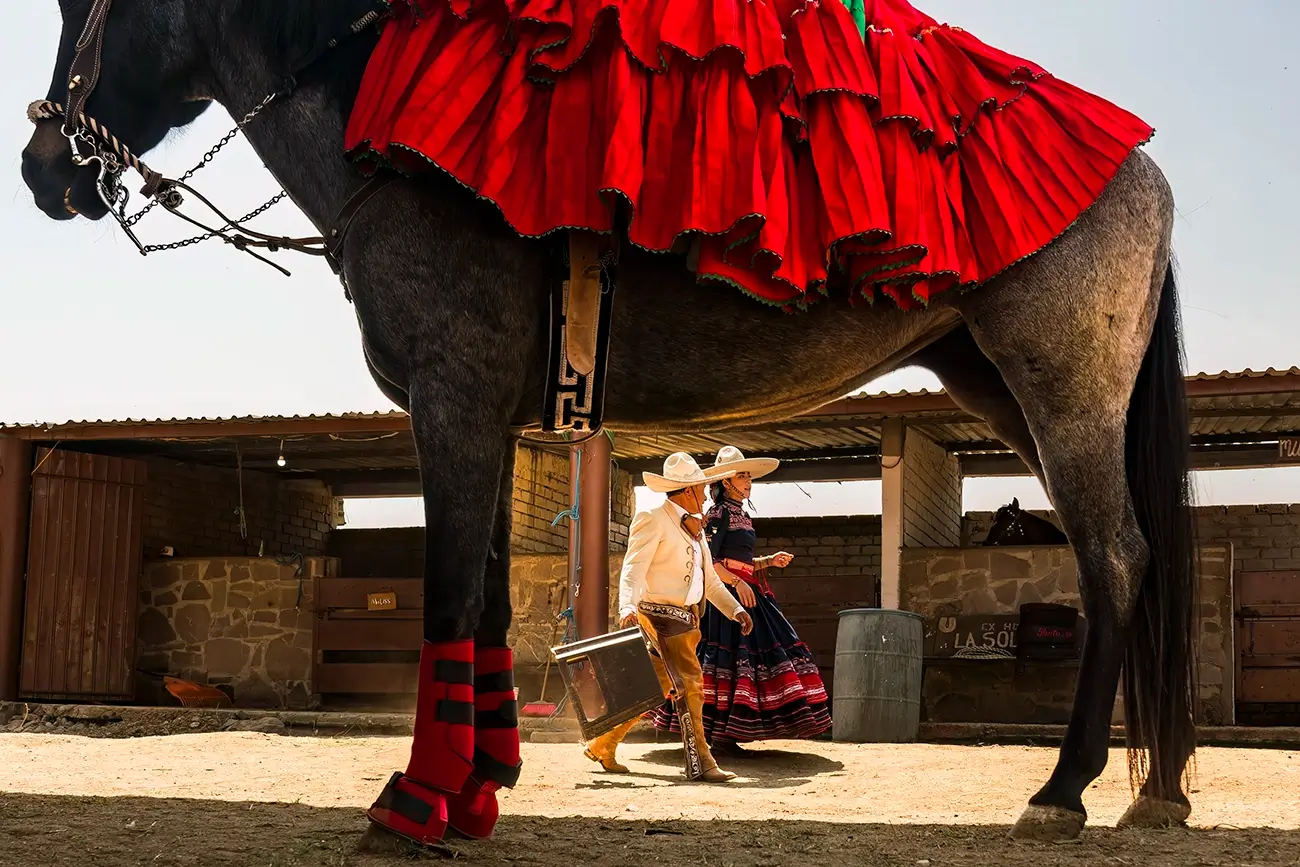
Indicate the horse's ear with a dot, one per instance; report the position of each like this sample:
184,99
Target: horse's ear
1015,502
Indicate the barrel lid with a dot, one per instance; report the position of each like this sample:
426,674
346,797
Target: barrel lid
893,611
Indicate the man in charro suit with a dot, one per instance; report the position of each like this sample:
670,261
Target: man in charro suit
667,574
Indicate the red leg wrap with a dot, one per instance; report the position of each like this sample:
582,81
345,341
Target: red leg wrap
442,752
411,810
473,812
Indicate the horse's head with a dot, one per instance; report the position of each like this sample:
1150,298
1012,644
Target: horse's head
140,62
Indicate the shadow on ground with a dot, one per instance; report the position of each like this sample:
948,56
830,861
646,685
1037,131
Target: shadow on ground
756,769
41,830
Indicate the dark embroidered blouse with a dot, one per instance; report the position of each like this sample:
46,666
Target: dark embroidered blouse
730,532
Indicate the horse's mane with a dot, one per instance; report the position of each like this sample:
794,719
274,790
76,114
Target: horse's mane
293,29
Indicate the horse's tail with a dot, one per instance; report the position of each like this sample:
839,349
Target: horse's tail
1159,663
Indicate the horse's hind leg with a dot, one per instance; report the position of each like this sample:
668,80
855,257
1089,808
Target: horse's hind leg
976,385
1075,334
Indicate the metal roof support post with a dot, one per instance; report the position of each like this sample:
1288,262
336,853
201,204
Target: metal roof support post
592,604
15,504
892,437
575,524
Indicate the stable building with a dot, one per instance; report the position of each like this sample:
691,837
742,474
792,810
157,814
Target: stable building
212,550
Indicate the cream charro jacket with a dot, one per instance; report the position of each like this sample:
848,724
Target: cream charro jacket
660,562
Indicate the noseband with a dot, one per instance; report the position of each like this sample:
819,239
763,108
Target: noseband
93,143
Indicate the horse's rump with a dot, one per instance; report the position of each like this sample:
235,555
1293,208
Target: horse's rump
809,148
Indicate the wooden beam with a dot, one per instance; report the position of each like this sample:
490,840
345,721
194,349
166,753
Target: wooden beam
1250,457
813,465
362,488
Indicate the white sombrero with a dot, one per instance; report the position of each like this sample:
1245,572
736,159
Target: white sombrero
732,459
681,471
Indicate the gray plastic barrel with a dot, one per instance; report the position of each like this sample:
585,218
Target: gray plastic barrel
877,684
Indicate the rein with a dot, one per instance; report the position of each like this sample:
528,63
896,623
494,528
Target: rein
93,143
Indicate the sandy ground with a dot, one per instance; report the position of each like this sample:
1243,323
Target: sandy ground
256,799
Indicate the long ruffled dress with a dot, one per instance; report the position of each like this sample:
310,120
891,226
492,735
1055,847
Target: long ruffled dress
801,147
761,686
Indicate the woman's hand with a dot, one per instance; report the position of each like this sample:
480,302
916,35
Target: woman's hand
740,586
746,623
745,594
627,622
781,559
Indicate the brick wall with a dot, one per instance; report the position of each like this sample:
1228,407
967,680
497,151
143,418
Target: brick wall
390,552
931,495
194,509
1264,538
836,566
542,492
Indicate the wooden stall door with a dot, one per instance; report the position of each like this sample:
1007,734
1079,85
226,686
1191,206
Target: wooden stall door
361,650
1268,624
83,573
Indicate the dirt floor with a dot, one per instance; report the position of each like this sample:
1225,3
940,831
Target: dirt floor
239,798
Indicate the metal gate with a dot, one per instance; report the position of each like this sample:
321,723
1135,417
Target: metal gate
83,571
1268,623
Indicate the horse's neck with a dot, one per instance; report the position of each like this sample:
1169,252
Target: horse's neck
301,142
299,137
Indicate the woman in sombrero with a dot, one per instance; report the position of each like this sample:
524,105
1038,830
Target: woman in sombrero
765,685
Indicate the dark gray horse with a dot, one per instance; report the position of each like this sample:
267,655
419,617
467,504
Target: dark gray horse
1073,357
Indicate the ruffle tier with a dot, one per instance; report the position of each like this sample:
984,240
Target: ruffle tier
800,148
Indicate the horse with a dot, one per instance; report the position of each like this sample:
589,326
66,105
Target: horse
1073,357
1012,525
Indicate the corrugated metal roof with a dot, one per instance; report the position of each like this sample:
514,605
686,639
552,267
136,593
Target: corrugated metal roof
1229,406
197,420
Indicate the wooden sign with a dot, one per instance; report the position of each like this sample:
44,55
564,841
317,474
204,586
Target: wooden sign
385,601
1288,450
974,636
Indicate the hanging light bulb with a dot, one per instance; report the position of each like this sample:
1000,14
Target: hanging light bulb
280,461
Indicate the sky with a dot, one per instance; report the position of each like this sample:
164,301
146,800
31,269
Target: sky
90,329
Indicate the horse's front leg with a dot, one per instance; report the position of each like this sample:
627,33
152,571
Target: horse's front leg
463,391
473,813
460,470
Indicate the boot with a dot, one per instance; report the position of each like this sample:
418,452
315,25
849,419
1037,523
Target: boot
414,804
601,749
473,811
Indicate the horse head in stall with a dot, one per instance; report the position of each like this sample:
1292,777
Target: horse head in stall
1012,525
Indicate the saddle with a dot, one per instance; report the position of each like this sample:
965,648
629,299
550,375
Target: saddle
581,303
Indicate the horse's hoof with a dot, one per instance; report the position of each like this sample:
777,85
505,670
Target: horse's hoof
1152,813
379,840
1048,824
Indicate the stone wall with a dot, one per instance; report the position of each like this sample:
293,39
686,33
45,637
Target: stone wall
538,593
939,582
194,509
241,624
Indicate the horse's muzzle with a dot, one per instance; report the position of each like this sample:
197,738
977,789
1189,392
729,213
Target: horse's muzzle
61,189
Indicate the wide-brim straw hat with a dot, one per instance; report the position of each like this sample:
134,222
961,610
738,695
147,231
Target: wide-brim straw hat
681,471
731,458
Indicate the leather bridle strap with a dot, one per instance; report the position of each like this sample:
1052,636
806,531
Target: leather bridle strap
353,206
83,73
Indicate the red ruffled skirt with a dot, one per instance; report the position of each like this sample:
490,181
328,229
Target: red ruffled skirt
793,151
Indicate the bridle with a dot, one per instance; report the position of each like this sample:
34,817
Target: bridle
93,143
